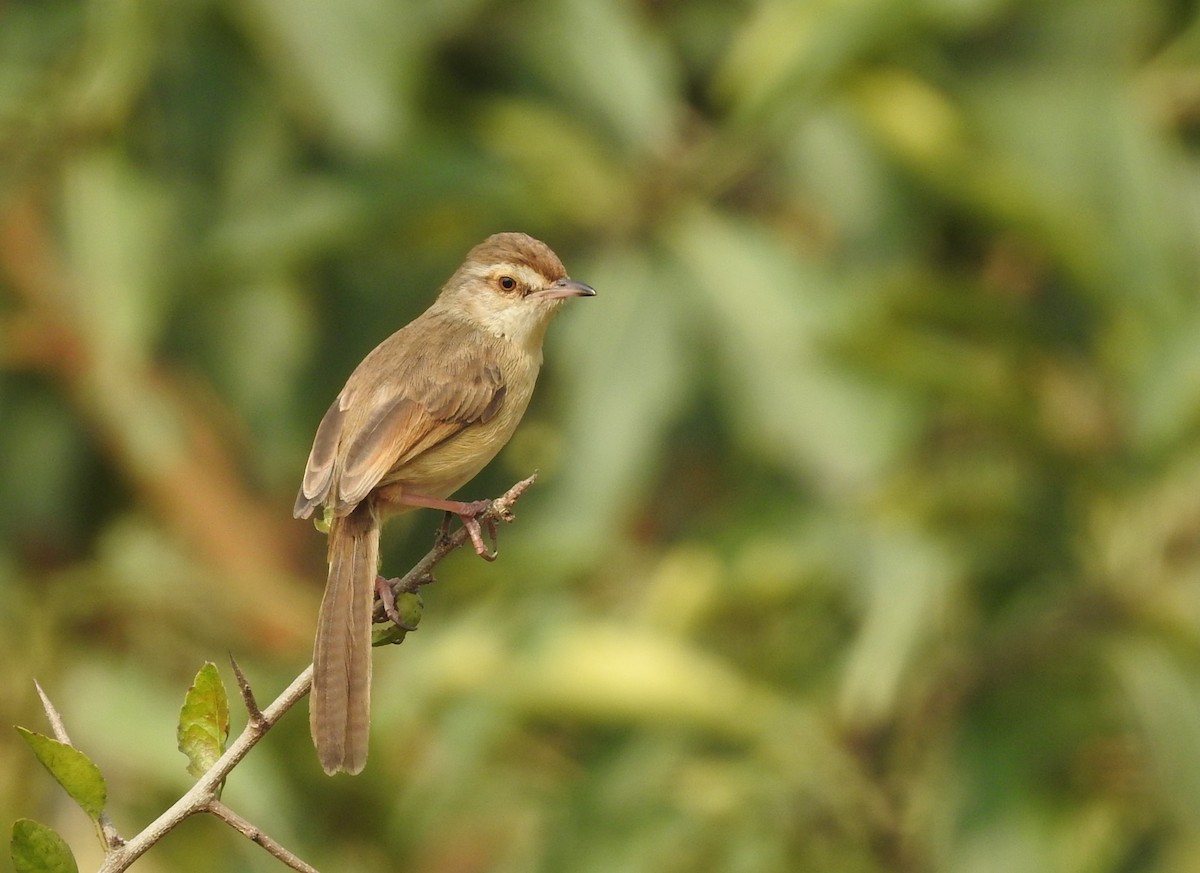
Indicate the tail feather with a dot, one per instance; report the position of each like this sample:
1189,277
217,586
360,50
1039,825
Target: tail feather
340,703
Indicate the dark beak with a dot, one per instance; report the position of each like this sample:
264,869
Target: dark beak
563,289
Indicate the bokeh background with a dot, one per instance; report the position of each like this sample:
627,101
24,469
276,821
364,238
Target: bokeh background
868,529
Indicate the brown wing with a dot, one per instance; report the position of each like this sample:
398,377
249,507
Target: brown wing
318,475
406,397
415,422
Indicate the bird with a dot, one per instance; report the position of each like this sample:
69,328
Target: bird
418,418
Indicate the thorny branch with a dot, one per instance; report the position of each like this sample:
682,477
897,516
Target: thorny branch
204,795
108,831
201,796
422,572
252,833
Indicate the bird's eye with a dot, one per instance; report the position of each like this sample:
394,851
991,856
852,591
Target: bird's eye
508,283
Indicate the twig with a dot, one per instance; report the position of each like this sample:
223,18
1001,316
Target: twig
201,795
252,833
108,831
422,572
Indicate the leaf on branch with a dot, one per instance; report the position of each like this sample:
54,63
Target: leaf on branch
36,848
74,771
409,607
325,522
204,721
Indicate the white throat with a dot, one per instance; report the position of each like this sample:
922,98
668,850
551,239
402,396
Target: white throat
522,323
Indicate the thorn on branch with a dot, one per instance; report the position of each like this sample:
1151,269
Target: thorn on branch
202,797
52,715
252,709
108,831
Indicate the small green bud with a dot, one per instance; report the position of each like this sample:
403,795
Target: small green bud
409,607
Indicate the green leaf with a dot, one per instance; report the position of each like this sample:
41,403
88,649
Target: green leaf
73,769
409,606
204,721
324,522
36,848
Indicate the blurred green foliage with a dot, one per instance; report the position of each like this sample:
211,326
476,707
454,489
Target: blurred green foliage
868,535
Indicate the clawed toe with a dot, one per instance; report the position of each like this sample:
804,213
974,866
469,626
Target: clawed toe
384,589
471,523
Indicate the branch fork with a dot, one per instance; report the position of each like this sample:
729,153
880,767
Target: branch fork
204,795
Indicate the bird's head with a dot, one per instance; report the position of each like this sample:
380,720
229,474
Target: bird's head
511,285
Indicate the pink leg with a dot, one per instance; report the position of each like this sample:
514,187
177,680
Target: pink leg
466,511
384,590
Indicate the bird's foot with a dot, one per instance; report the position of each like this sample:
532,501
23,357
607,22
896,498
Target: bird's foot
469,514
384,589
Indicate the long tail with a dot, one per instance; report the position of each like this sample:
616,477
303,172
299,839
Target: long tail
340,704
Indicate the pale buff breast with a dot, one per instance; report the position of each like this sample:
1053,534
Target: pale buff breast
445,468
